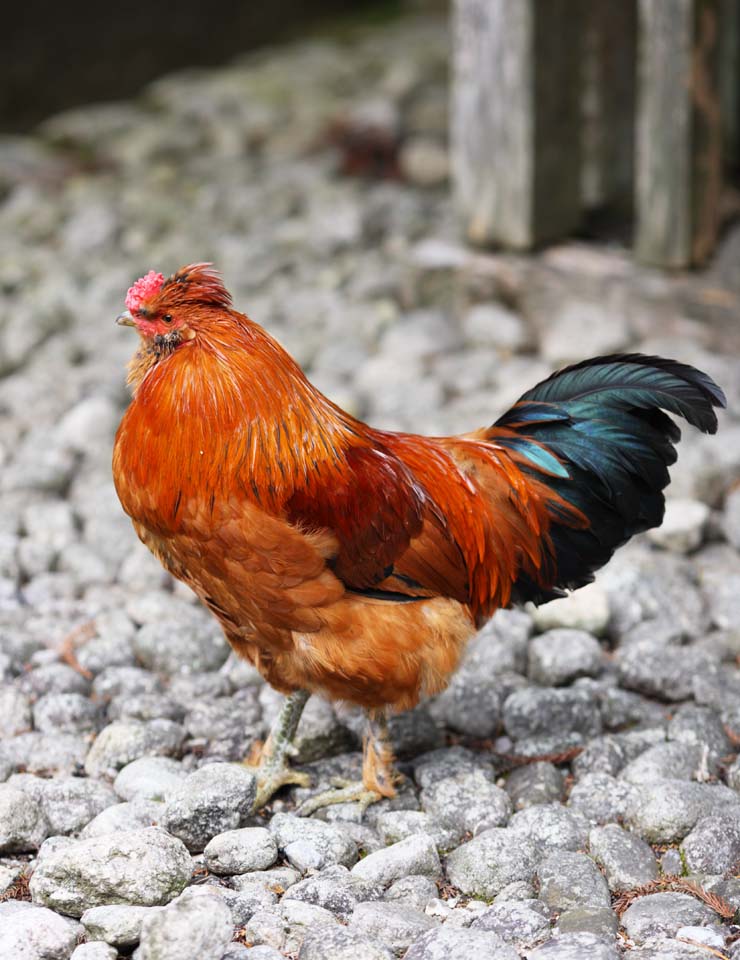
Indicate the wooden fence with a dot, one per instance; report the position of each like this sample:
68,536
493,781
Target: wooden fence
564,106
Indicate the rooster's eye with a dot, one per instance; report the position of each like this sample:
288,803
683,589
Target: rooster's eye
167,318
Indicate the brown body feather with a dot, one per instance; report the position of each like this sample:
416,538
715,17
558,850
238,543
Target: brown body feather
279,509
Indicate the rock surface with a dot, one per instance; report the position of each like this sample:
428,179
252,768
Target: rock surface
138,867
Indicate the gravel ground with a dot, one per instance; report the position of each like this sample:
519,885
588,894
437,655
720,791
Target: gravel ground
122,714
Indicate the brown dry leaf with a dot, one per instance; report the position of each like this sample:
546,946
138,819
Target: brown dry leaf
680,885
18,890
66,650
703,946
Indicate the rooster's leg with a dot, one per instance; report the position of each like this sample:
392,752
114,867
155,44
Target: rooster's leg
273,769
377,772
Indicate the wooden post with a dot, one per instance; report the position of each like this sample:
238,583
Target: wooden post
608,103
679,132
729,82
516,119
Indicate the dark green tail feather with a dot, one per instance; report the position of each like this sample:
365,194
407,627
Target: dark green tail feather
603,420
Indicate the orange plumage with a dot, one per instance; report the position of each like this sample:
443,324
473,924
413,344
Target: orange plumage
344,560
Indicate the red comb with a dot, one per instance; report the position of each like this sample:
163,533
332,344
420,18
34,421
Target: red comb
144,288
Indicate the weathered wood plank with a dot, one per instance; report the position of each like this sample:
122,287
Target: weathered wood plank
515,126
729,81
679,132
608,103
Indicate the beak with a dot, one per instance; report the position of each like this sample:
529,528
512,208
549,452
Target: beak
125,319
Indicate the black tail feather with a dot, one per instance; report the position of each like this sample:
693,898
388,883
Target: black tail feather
604,421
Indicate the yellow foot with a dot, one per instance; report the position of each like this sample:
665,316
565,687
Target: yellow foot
270,778
345,791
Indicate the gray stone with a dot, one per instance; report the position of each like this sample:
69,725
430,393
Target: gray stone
15,711
449,762
663,914
667,810
188,688
552,827
626,859
446,943
54,678
242,905
668,948
414,855
560,656
714,936
471,704
575,946
602,798
69,803
121,742
467,801
682,527
146,706
395,825
337,890
535,711
299,918
140,867
647,667
733,774
23,824
222,720
585,609
213,799
266,930
65,713
171,647
732,517
700,726
493,325
414,891
523,924
187,929
569,880
28,932
622,708
340,943
718,567
149,778
576,329
671,862
277,880
94,951
601,921
125,681
653,595
516,891
602,755
125,816
393,924
713,846
330,842
46,754
424,161
534,784
253,897
119,925
485,865
240,851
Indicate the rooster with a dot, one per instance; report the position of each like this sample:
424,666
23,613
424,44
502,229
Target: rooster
357,563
